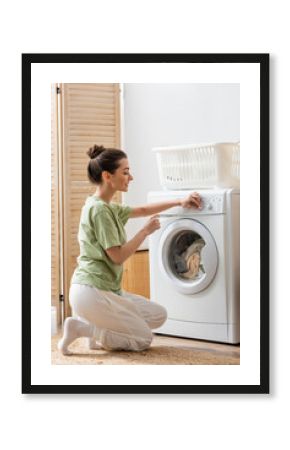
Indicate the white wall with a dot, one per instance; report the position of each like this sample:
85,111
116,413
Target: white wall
172,114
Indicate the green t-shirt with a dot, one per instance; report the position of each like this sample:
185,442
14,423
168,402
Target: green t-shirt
101,227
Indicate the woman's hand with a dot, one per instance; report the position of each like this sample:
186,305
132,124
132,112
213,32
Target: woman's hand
192,201
152,225
120,253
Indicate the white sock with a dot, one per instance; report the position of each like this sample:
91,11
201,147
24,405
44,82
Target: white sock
74,328
92,341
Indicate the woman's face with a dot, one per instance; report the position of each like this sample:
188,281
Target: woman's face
121,178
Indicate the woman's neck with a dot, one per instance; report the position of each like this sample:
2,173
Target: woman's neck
105,193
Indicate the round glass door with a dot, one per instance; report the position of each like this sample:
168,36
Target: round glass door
188,255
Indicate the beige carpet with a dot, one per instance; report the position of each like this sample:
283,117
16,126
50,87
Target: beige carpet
164,350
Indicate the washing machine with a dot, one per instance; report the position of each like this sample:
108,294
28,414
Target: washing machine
195,266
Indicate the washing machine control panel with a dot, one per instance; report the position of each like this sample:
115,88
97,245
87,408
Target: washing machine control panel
212,203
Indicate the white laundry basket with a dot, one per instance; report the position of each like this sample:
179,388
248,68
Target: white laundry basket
199,165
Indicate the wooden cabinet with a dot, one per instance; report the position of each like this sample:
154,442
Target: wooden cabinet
136,274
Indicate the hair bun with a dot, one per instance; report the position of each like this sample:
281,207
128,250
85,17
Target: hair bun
95,151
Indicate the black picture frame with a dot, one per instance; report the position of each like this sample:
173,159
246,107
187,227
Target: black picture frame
247,58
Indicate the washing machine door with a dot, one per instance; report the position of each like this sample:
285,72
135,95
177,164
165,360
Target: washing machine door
188,255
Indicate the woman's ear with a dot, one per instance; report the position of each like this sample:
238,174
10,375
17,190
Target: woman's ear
106,176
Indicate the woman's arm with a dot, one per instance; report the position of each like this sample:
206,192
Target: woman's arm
153,208
120,253
192,200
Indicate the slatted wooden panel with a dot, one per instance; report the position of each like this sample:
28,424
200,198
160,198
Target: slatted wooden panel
91,115
54,204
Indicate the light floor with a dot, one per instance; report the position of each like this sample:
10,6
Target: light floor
164,350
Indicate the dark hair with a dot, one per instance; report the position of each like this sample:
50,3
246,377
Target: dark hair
103,159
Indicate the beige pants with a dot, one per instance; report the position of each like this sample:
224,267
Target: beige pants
120,321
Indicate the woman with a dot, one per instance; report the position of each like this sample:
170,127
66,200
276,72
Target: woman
111,318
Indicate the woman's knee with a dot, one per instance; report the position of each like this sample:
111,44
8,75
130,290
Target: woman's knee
118,341
143,343
159,316
163,314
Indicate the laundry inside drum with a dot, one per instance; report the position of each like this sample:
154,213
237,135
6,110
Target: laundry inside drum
185,255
